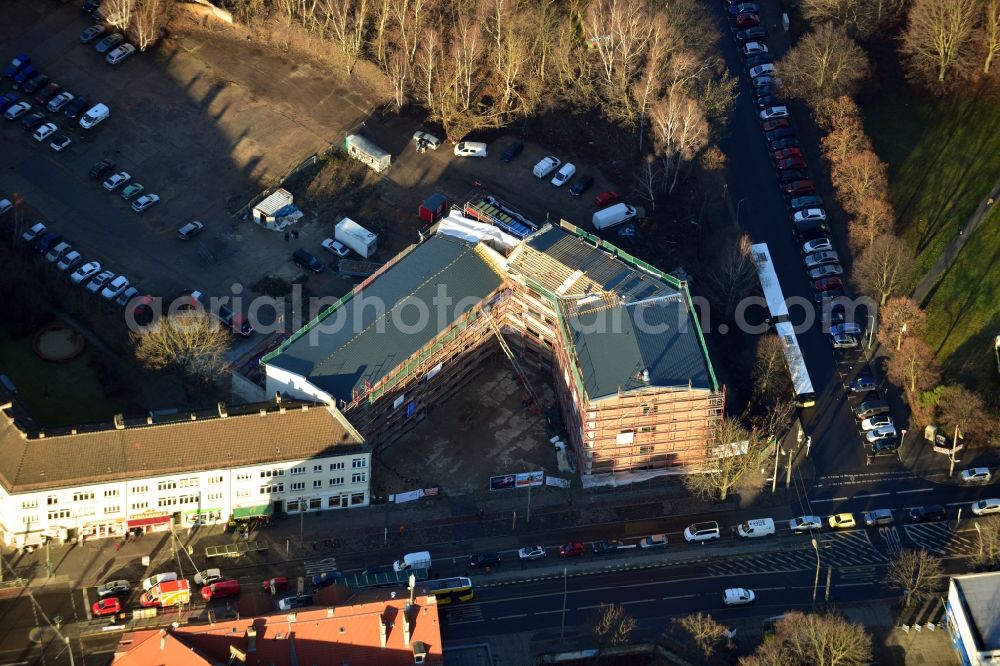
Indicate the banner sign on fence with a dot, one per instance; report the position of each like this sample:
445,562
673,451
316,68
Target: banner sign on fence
557,482
526,479
502,482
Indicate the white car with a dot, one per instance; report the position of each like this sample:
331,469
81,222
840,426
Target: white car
5,206
531,553
336,247
653,541
99,280
738,596
564,174
833,270
976,475
117,180
772,112
207,577
119,53
85,272
44,131
817,245
986,507
157,579
115,287
702,531
882,432
34,232
144,202
69,260
817,214
60,100
805,523
425,140
545,166
127,296
873,422
844,341
754,48
17,110
767,69
59,142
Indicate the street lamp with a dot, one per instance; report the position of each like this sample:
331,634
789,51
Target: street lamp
815,545
871,329
738,205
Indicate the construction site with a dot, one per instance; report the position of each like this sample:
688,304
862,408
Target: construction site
628,385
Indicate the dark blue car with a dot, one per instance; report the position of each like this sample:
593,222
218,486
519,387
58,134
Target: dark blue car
326,579
20,61
76,107
28,72
512,151
6,101
47,242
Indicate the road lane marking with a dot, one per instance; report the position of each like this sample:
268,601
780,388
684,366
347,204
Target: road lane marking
876,495
638,601
769,589
589,607
452,623
831,499
915,490
510,617
679,596
868,583
558,610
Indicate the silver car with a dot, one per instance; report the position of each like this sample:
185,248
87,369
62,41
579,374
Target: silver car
821,259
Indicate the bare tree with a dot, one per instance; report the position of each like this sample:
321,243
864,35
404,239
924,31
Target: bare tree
900,317
824,63
619,33
916,572
190,343
989,33
119,13
706,633
613,627
859,176
827,640
884,268
958,407
680,131
875,217
349,23
647,180
938,38
913,366
988,529
733,452
770,374
861,18
734,277
148,20
397,70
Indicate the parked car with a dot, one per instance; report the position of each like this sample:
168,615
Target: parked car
102,169
653,541
531,553
336,247
190,230
878,517
545,166
769,82
849,328
767,100
512,151
59,101
751,35
426,140
826,284
776,124
805,524
119,53
809,230
759,59
773,112
113,588
98,281
299,601
809,214
743,8
702,531
127,295
145,202
35,84
738,596
572,549
565,172
844,341
132,190
157,579
871,408
207,577
785,153
76,107
791,175
606,199
57,251
820,259
109,606
747,20
308,261
484,560
976,475
581,185
8,100
16,65
326,579
276,584
607,546
780,144
876,422
790,163
109,42
986,507
764,91
85,272
44,131
779,133
807,201
471,149
117,180
862,385
923,514
33,122
24,75
17,110
115,288
799,187
753,48
766,69
46,94
93,32
69,261
882,432
817,245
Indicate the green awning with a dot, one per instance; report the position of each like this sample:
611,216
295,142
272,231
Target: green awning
253,511
188,512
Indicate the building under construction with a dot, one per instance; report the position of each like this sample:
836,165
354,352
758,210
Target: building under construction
635,386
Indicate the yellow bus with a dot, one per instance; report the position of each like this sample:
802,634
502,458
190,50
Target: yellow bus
449,590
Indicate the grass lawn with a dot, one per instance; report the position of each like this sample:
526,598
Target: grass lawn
944,159
58,394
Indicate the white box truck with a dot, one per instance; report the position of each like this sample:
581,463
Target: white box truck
615,215
421,560
356,237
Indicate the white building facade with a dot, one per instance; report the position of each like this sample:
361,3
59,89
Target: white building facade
79,505
973,614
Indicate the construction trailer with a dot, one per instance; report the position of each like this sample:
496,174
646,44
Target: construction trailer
562,301
364,150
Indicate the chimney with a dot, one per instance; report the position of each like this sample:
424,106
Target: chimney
419,652
251,640
277,397
222,410
163,639
236,655
305,408
382,629
72,431
119,421
645,376
41,434
281,409
194,417
263,411
406,624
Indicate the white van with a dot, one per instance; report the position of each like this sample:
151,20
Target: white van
96,114
613,215
421,560
470,149
757,527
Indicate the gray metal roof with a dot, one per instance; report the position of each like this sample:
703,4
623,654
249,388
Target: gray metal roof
981,595
381,327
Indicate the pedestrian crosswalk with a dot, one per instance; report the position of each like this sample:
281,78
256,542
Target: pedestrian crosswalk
319,566
942,539
838,549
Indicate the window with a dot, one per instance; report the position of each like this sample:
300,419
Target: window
359,463
292,505
166,485
112,509
648,409
337,481
298,485
317,468
187,499
315,504
139,506
243,493
214,480
358,477
82,497
111,493
318,483
272,488
86,511
357,498
166,501
297,470
336,465
268,473
646,449
213,497
29,504
60,513
52,499
190,482
27,520
244,476
139,490
333,502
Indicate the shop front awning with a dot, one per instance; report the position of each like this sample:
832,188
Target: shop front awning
149,520
189,512
253,511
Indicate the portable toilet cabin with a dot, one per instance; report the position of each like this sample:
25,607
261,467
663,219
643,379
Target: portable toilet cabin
433,208
362,149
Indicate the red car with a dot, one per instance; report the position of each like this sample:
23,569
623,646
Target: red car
747,21
791,163
797,188
828,283
777,123
574,549
276,584
606,199
109,606
785,153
